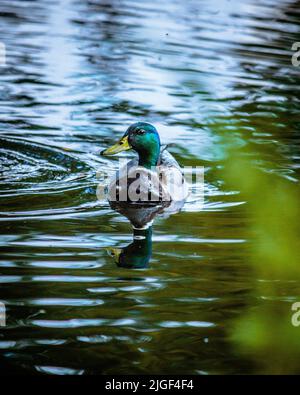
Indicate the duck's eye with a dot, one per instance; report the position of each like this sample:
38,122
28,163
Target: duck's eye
140,131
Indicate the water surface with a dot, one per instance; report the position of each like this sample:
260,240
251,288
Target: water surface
78,73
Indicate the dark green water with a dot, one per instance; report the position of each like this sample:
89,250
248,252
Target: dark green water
78,73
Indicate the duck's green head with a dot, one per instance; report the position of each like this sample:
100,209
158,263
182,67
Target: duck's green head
143,138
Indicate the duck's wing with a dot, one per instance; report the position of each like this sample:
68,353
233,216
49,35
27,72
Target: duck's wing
173,180
167,159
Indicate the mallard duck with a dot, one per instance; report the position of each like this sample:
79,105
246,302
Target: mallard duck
137,254
154,178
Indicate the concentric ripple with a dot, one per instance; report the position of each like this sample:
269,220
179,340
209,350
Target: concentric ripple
27,164
43,175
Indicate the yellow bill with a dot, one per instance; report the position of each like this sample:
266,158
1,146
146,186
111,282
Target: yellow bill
122,145
115,253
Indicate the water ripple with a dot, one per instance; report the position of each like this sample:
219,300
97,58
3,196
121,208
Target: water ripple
208,75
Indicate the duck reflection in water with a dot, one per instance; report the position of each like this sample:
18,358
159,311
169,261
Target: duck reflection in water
137,254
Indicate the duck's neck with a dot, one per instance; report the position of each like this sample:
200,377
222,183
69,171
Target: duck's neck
149,159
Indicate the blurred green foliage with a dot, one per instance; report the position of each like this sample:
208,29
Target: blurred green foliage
265,332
